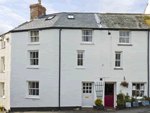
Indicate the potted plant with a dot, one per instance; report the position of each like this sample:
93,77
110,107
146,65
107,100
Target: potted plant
124,84
145,101
127,100
98,103
1,108
120,101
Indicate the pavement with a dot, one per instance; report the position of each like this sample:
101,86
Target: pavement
128,110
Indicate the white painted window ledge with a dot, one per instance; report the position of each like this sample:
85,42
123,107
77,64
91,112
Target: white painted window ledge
124,44
34,43
3,97
118,68
32,97
80,67
32,67
87,43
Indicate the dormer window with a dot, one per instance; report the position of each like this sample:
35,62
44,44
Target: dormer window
71,17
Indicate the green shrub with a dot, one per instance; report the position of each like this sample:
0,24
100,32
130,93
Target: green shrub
98,102
120,97
133,99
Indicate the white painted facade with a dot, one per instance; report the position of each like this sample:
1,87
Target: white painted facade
5,52
99,62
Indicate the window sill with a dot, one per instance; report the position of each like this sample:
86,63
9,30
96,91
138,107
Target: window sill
35,43
32,67
123,44
3,97
118,68
87,43
33,97
80,67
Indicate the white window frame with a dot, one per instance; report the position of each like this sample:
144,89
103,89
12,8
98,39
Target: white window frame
85,36
28,96
34,36
34,51
138,90
80,51
118,52
3,90
3,42
124,37
3,64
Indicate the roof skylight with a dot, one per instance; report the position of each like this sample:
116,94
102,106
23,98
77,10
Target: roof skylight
71,17
50,17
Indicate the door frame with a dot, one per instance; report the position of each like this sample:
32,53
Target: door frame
93,83
115,90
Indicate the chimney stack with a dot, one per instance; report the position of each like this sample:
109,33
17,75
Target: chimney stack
37,10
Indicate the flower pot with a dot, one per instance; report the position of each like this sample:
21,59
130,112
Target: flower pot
135,104
99,107
128,104
120,106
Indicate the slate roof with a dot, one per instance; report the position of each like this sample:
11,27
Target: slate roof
88,20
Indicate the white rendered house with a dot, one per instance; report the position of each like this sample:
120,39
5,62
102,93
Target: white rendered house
68,60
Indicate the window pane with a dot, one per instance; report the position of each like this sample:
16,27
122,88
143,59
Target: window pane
30,91
138,86
31,33
37,92
37,85
31,54
34,91
32,62
83,91
32,39
80,62
118,56
36,54
117,63
30,85
133,93
33,84
36,62
37,39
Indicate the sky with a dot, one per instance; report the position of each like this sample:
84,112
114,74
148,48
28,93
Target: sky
16,12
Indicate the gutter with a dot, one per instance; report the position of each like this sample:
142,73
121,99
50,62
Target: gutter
79,28
148,60
59,66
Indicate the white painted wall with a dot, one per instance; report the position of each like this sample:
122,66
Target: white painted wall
98,62
134,62
47,74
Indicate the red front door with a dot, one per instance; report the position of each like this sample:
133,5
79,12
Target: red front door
109,95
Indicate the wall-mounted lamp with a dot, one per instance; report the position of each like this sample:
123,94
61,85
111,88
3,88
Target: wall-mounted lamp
109,33
124,78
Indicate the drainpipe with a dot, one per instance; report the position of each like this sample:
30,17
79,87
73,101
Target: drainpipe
148,60
59,64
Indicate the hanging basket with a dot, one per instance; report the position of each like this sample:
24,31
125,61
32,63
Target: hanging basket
124,84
